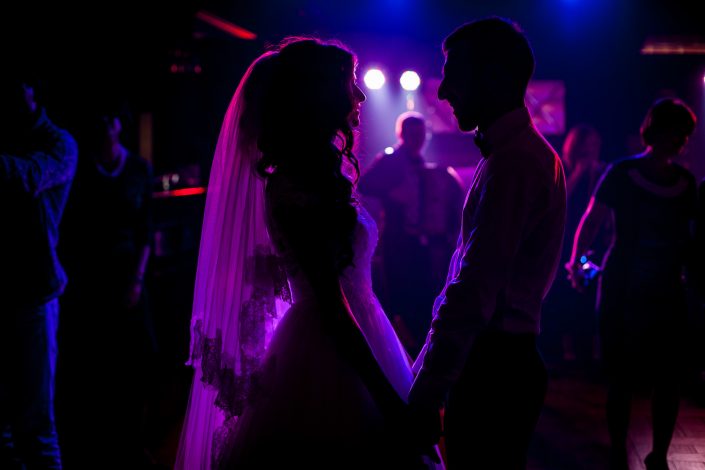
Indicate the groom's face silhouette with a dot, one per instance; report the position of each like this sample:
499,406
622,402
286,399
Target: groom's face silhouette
463,87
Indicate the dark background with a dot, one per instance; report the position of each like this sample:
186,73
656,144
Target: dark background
161,61
108,51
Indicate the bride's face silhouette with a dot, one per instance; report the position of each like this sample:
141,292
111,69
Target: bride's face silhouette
356,97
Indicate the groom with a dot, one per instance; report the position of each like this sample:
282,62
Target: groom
481,350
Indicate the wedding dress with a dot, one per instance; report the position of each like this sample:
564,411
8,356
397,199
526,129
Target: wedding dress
310,402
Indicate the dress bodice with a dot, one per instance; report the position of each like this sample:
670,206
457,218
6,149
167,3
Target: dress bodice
356,279
366,235
356,283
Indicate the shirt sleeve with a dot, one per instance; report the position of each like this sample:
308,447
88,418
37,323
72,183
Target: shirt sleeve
42,169
502,214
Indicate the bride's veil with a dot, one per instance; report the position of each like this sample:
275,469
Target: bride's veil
240,291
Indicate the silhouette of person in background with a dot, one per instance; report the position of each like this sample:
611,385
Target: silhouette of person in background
642,299
481,350
416,205
569,314
107,328
37,166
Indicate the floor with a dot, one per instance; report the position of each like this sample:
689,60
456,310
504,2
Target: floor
572,433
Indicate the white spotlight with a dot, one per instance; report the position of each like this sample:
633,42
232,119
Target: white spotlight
410,80
374,79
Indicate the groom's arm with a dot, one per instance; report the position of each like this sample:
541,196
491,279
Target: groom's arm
495,234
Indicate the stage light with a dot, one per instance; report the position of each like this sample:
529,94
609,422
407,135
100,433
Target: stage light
389,150
410,80
374,79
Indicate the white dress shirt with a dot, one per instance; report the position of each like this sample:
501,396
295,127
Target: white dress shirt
507,253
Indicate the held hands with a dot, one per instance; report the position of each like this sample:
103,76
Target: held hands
425,423
425,428
417,427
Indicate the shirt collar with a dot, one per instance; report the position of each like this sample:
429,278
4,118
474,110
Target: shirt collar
504,129
118,169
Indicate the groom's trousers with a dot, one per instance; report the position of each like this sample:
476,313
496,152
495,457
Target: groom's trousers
493,408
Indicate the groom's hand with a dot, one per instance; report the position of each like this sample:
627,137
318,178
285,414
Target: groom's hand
426,399
426,422
425,428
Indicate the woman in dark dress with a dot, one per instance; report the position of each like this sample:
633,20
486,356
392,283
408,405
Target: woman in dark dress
642,301
567,314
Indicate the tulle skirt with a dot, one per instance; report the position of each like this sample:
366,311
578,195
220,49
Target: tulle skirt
313,410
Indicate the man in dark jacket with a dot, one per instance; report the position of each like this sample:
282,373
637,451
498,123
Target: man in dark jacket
37,165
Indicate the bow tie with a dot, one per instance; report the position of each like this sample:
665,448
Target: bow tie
483,144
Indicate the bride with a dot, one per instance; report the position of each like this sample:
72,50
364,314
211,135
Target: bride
295,361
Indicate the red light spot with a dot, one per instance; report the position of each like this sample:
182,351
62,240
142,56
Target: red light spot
226,26
195,191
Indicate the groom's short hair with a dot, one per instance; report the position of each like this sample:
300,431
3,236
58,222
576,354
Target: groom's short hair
498,42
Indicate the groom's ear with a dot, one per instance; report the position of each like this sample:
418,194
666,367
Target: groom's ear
493,71
496,76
